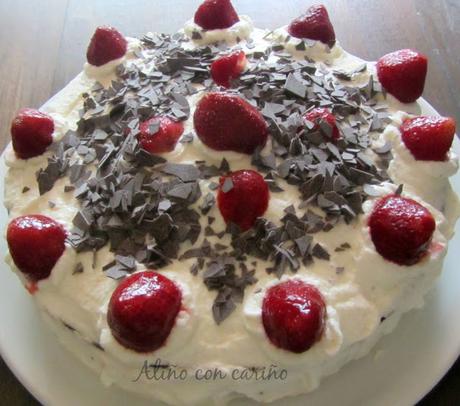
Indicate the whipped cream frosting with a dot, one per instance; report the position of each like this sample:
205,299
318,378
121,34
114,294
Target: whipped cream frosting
365,294
241,30
315,50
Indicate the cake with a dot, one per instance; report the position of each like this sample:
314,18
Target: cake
229,211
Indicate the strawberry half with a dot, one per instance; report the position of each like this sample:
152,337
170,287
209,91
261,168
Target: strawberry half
107,44
36,243
227,68
160,134
143,309
318,115
294,315
216,14
315,25
242,197
401,229
227,122
31,133
402,73
428,138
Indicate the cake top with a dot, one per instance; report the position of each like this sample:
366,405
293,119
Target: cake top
232,151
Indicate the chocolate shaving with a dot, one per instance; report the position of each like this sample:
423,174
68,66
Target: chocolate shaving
320,252
295,86
78,268
227,186
186,173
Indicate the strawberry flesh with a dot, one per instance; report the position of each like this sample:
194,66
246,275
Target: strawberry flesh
143,309
401,229
428,138
227,122
107,44
36,242
402,73
160,134
318,115
246,199
216,14
293,315
228,68
315,25
31,133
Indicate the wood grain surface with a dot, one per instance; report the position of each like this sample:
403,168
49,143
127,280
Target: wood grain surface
43,44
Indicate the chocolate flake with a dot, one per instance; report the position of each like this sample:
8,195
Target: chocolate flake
342,247
294,86
208,202
185,172
320,252
78,268
116,272
227,186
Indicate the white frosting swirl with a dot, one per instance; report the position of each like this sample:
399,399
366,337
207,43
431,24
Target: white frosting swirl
238,31
315,50
429,178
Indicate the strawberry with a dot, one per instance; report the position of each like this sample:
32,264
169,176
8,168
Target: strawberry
160,134
318,115
314,25
36,242
428,138
227,68
402,73
216,14
401,229
143,309
227,122
242,197
107,44
31,133
293,315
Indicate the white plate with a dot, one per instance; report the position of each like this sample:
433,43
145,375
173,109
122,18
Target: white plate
403,367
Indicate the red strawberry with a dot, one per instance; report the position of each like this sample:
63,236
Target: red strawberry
227,122
428,138
216,14
242,197
402,73
401,229
314,25
160,134
318,115
107,44
227,68
143,309
31,133
293,315
36,243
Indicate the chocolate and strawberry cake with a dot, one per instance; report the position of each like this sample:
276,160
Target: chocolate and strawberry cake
256,203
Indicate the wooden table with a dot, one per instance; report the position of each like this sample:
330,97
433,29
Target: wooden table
43,44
